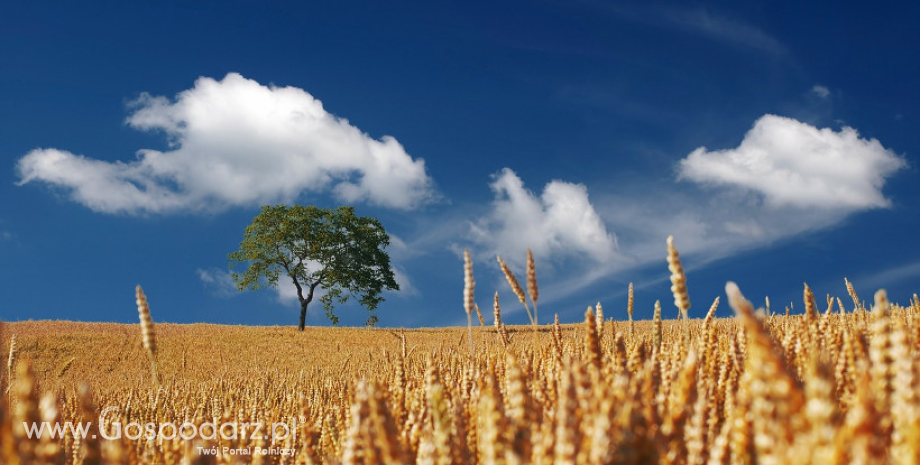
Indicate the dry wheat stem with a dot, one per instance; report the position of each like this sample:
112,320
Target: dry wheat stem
679,286
515,286
469,298
148,334
10,362
852,292
532,287
629,309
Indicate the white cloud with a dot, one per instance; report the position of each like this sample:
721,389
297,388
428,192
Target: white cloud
786,178
220,282
821,91
560,223
794,164
235,142
406,288
287,292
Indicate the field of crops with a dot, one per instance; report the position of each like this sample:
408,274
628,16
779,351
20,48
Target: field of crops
837,384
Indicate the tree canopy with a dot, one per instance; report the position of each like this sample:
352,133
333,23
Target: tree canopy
331,249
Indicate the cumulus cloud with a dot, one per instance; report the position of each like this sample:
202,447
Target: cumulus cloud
794,164
560,223
785,178
235,142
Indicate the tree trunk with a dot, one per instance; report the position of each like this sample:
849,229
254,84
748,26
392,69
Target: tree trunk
304,302
303,313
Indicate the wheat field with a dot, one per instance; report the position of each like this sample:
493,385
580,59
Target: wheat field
837,384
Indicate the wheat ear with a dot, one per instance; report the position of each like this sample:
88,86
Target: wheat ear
599,319
679,285
557,337
532,288
515,285
811,313
148,334
852,292
469,298
92,448
592,341
629,310
65,367
777,399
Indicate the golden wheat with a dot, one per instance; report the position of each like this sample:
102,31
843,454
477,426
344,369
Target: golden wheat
759,388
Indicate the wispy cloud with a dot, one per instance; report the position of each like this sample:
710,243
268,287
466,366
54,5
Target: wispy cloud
889,277
6,235
723,28
235,142
219,282
406,288
820,91
698,20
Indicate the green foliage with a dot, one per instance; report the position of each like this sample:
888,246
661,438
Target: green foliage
317,247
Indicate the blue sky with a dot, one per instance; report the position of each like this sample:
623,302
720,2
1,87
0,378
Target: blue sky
775,140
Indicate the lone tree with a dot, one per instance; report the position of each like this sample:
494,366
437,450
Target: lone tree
317,248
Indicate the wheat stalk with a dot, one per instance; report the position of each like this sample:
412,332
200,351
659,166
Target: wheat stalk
24,412
629,310
515,286
148,334
679,285
502,334
469,298
811,312
532,288
66,366
852,292
92,449
592,341
11,361
557,337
